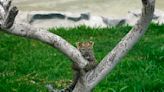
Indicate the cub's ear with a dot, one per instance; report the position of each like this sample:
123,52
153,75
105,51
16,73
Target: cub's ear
78,44
91,43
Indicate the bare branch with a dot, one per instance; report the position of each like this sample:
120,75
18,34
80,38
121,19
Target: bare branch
10,17
89,80
7,4
92,78
26,30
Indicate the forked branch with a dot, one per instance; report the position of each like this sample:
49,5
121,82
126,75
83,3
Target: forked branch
92,78
88,81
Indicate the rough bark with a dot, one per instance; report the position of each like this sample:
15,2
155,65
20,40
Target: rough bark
89,80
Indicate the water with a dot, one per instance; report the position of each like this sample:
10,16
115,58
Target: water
113,8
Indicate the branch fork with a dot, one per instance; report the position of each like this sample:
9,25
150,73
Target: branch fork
88,81
8,14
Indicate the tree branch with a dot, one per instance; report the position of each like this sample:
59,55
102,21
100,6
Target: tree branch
92,78
89,80
26,30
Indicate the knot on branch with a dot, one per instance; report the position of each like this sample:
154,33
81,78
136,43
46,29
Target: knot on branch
145,2
7,14
148,2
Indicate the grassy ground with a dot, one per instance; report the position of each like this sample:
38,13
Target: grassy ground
27,65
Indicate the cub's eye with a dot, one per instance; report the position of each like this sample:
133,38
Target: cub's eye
82,49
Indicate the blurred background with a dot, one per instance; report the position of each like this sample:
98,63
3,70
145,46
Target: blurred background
113,8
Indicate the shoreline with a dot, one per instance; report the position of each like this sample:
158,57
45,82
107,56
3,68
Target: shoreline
50,19
95,7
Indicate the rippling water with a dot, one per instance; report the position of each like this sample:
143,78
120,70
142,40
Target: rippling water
97,7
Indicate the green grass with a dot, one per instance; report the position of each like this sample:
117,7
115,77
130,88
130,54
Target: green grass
27,65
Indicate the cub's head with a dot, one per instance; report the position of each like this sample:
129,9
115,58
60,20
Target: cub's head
85,45
86,49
